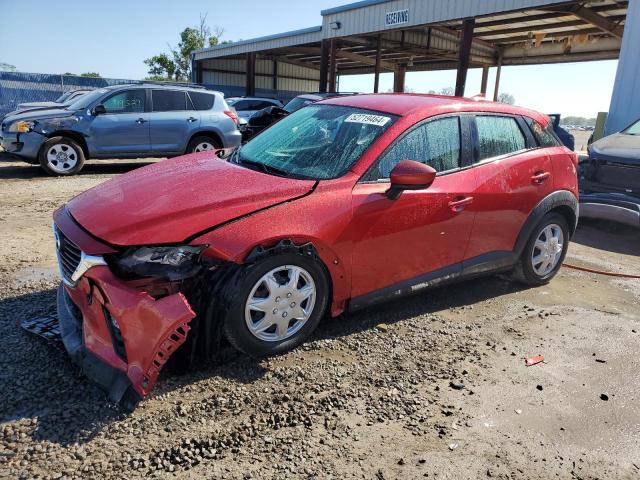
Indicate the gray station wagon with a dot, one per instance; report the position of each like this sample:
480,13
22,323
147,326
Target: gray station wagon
124,121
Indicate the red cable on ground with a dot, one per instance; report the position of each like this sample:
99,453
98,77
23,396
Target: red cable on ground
600,272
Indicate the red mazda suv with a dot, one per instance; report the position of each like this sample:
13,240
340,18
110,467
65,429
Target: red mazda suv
344,203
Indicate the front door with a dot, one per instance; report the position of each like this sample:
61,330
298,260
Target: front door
423,234
124,128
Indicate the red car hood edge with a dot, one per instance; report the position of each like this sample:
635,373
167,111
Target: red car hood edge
170,201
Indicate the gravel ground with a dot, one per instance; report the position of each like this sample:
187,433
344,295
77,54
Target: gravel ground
430,386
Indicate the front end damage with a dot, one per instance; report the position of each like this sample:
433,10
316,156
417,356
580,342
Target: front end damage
120,336
120,317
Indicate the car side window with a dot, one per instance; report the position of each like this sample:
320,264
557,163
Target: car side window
242,105
544,136
168,100
202,101
435,143
129,101
498,135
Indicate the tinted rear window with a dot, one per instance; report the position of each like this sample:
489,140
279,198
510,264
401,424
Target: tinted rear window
498,136
168,100
202,101
545,136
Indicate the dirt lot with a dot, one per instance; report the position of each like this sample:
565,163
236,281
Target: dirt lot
360,400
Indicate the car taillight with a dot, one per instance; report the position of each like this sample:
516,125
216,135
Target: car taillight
232,115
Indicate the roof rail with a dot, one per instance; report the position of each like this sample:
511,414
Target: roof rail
170,83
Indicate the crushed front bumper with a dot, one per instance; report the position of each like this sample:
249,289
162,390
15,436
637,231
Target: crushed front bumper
120,336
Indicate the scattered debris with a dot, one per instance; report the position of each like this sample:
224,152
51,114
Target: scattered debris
401,461
530,361
539,387
453,446
604,396
456,386
518,411
383,327
47,327
600,360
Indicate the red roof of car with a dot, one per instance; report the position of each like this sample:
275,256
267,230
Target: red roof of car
413,103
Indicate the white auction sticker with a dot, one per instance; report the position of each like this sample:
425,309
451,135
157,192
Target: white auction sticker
367,118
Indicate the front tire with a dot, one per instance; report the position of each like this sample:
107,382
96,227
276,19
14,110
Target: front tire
61,156
544,252
275,304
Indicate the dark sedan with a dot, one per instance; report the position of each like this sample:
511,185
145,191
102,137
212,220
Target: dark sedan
610,178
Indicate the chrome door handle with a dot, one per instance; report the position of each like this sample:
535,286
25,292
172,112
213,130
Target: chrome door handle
459,204
140,121
539,177
192,119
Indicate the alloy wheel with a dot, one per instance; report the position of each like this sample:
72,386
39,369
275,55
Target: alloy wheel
204,147
280,303
547,249
62,157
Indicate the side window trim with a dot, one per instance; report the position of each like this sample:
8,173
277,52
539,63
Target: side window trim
531,141
146,101
476,139
464,146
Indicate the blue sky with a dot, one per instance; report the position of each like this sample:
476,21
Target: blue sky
113,38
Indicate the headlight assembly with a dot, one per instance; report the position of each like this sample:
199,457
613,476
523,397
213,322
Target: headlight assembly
21,126
173,263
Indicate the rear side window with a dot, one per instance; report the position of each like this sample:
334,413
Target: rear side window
202,101
498,136
436,143
168,100
129,101
545,136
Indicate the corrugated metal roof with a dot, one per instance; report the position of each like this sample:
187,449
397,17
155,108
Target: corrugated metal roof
294,37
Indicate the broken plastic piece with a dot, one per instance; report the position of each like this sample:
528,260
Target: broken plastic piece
530,361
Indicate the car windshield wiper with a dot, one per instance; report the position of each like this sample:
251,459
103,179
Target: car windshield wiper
261,166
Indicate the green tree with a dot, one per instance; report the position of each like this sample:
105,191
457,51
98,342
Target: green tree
176,64
91,75
507,98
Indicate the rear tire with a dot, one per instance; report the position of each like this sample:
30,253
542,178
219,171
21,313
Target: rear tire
544,252
273,305
61,157
202,143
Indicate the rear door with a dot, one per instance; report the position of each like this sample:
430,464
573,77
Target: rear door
124,128
173,119
423,231
513,174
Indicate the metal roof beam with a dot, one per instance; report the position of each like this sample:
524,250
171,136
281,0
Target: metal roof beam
343,54
549,15
394,46
598,21
535,28
283,59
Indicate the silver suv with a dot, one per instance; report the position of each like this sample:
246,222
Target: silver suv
124,121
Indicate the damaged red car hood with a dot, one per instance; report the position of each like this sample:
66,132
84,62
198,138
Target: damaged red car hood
169,201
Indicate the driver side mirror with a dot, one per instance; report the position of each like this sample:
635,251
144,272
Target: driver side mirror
98,110
410,175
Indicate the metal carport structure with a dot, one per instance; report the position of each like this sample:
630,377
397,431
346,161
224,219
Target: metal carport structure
399,36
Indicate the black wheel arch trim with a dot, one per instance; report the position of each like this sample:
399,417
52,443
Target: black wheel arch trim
561,198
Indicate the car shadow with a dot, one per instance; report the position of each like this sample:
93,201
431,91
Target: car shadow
37,373
609,236
23,171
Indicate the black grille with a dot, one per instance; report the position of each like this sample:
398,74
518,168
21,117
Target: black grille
68,255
